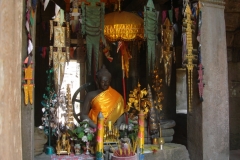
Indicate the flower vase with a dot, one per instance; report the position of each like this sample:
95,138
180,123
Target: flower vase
77,148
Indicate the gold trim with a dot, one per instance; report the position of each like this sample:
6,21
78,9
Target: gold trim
126,32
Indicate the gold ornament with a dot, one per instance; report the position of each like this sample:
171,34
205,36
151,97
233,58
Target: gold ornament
111,133
69,120
138,102
28,87
59,52
190,57
63,146
168,51
157,84
124,26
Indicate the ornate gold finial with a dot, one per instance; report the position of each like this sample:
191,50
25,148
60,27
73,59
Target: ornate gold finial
69,120
190,58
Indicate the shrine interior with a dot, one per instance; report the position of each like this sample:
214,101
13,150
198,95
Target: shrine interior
173,99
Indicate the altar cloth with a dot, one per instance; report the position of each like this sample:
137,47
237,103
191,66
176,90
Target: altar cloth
171,151
72,157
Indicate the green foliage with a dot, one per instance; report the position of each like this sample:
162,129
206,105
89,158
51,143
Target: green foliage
89,137
83,132
80,135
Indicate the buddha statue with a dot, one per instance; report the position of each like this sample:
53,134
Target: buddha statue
104,99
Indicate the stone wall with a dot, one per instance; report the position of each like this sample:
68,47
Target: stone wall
27,111
194,124
232,18
215,107
10,79
234,101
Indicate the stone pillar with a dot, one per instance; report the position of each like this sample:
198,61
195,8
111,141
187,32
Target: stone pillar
215,107
10,79
27,111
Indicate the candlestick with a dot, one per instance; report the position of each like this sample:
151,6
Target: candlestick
141,131
100,133
161,139
59,75
109,125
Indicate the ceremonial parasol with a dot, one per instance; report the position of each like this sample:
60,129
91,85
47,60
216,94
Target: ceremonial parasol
123,26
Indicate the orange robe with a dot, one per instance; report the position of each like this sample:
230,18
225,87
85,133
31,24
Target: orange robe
110,103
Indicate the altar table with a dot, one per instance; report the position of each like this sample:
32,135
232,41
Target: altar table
171,151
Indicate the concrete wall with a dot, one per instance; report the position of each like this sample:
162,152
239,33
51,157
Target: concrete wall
10,79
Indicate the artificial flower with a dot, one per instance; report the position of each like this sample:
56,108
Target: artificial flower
84,139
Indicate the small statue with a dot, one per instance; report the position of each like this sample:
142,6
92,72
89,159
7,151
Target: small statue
168,51
63,145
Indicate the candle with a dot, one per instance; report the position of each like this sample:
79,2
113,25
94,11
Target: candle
59,75
141,131
161,139
109,125
100,133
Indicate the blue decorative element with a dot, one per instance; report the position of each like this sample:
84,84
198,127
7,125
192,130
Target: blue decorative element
34,4
141,156
49,150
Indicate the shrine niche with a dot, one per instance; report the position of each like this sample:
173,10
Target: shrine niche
132,121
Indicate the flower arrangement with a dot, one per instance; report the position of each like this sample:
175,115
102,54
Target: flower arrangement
83,132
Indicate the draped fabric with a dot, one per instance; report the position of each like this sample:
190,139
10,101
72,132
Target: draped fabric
110,103
92,27
150,33
59,52
59,60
